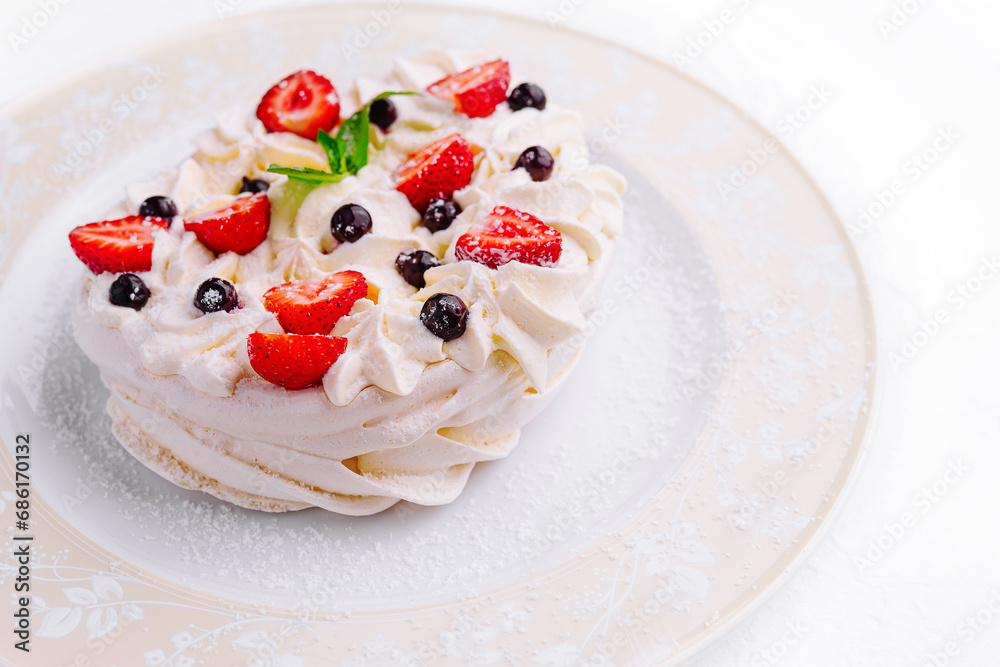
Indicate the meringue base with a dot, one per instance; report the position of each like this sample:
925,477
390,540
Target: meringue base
269,449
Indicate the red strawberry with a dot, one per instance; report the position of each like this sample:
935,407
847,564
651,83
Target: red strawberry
239,227
508,235
303,103
117,245
314,306
292,361
476,91
435,172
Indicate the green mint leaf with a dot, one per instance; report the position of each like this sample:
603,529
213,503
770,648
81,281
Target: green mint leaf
334,152
306,174
346,153
354,135
390,93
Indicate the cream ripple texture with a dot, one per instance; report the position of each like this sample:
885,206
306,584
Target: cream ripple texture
402,415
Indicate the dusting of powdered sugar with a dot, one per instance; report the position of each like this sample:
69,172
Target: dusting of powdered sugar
609,441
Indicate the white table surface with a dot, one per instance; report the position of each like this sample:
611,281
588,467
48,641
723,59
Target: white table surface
891,94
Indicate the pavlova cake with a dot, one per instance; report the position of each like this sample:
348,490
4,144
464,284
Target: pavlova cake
347,302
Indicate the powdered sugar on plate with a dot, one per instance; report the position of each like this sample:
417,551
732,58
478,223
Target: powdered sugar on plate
612,438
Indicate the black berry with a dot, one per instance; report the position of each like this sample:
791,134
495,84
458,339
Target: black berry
445,316
526,95
129,291
537,161
383,113
350,222
254,185
413,264
216,294
439,214
160,207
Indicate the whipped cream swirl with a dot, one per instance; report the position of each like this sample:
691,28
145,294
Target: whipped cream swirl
519,309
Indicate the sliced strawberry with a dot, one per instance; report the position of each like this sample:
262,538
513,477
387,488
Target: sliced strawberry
239,227
117,245
435,171
303,103
477,91
314,306
293,361
508,235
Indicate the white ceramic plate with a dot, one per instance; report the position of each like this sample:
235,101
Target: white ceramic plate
695,457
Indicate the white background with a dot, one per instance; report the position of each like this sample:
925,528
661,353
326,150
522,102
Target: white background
892,91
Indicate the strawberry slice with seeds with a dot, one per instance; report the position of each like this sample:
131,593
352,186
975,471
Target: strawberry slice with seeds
435,171
477,91
509,235
302,103
293,361
314,306
117,245
239,227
